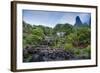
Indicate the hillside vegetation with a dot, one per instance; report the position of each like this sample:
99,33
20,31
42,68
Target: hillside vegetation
65,42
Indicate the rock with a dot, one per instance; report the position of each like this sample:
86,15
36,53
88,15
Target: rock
78,21
25,52
45,58
35,58
47,54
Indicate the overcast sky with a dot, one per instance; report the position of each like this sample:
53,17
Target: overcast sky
51,18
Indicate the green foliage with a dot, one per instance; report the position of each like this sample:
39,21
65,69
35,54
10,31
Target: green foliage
32,35
68,47
63,27
84,35
46,30
80,38
75,39
31,40
84,53
71,38
27,28
38,32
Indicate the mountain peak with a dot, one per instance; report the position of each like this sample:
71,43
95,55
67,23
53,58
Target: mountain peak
78,21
